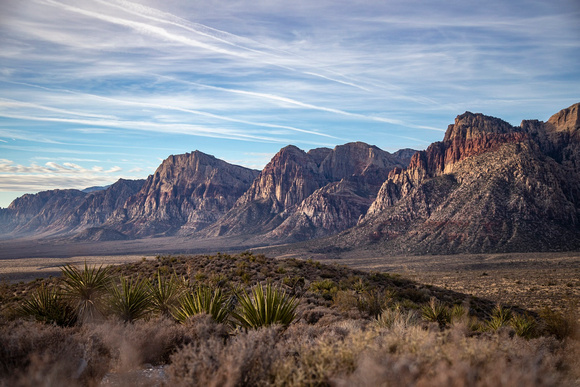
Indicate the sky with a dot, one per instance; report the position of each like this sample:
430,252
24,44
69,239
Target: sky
93,91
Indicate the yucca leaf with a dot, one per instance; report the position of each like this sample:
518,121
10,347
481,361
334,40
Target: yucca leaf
204,300
130,300
85,288
265,308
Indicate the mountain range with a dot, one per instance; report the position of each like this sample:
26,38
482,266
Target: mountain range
487,186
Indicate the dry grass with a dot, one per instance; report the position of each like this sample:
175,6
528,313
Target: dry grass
352,328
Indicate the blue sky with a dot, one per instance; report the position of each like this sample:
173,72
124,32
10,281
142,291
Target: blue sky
91,91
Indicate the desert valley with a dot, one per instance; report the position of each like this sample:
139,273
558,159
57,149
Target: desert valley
478,235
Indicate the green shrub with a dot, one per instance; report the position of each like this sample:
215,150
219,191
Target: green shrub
165,294
85,289
435,311
262,309
130,300
327,288
500,317
204,300
523,325
48,306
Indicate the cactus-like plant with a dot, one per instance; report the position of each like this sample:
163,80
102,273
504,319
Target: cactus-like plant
165,293
47,305
266,307
130,300
84,289
204,300
435,311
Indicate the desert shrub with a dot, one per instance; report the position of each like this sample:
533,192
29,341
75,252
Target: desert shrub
523,325
372,302
130,299
245,360
261,309
345,300
85,289
327,288
204,300
397,317
165,294
561,325
33,354
500,317
131,346
435,311
48,306
295,284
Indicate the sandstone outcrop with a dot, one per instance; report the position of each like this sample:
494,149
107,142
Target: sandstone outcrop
301,195
186,193
487,187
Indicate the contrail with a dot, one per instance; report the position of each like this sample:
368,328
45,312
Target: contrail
165,107
168,18
145,28
291,101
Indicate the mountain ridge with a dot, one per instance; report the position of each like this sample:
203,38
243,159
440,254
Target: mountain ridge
488,186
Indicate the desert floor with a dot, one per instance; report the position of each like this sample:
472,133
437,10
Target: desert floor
527,280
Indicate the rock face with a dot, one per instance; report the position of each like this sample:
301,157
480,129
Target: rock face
99,205
186,193
64,211
300,195
37,213
487,187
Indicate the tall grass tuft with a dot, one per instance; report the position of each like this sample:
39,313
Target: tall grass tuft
130,300
500,317
435,311
396,317
265,308
204,300
165,294
523,325
85,288
48,306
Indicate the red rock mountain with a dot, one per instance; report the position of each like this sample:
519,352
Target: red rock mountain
186,193
300,195
487,187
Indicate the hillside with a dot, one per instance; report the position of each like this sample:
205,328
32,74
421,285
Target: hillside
487,187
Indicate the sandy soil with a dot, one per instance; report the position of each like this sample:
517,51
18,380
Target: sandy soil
528,280
28,269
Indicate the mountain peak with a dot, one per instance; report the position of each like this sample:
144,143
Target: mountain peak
470,125
566,120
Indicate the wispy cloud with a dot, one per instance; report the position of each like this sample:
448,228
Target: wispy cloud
132,80
51,175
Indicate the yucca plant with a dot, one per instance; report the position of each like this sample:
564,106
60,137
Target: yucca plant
523,325
435,311
165,293
84,289
262,309
130,299
48,306
500,317
396,316
204,300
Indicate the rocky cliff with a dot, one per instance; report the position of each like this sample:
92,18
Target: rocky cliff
487,187
64,211
37,213
186,193
300,195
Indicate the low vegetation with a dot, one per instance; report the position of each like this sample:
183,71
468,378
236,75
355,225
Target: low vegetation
248,320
